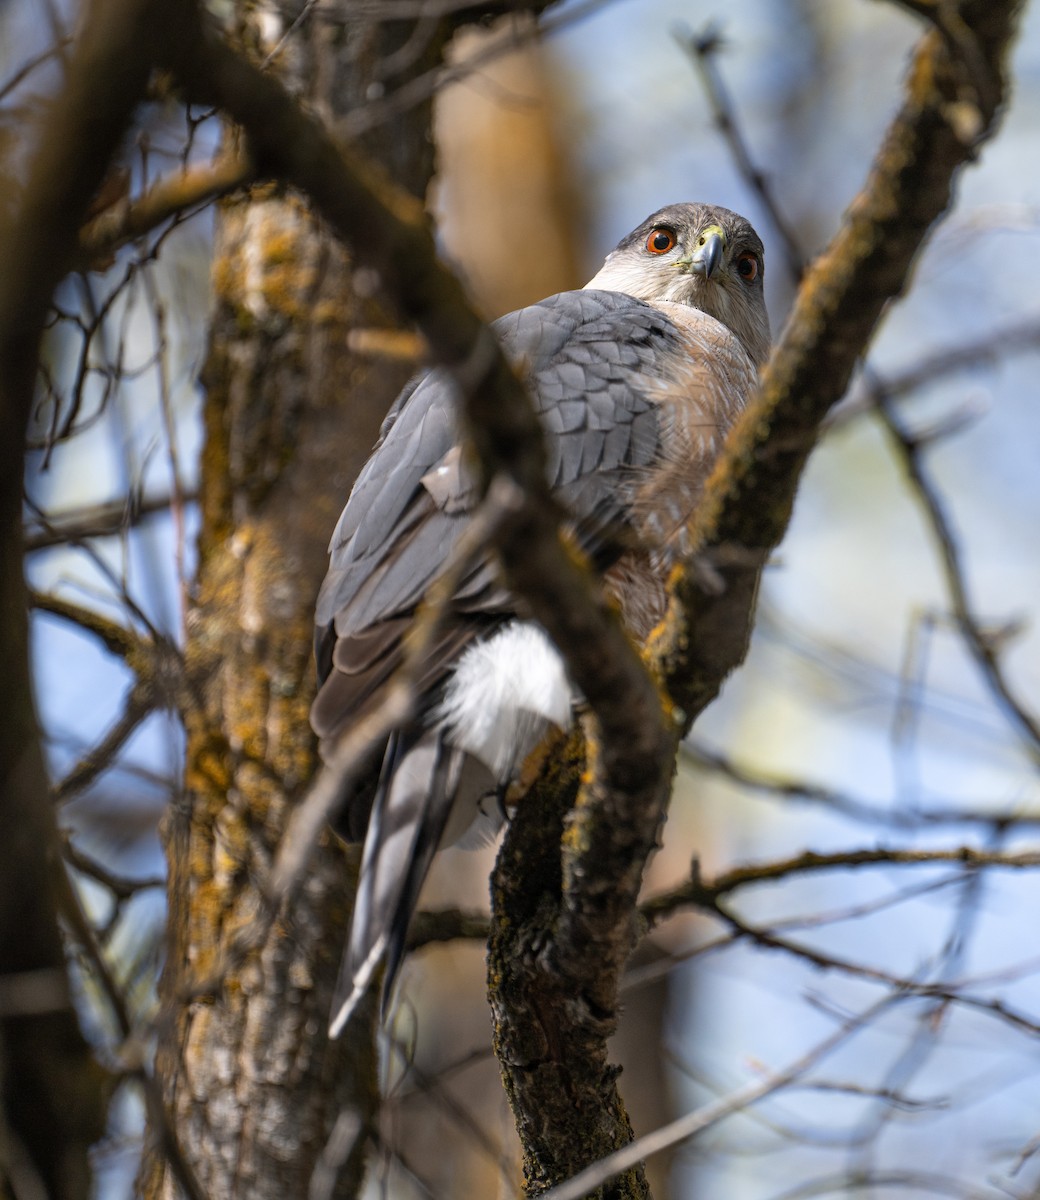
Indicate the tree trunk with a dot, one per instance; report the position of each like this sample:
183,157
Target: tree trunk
252,1086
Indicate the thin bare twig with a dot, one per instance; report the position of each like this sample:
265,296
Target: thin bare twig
157,311
108,519
832,799
707,893
422,87
140,702
157,664
189,188
447,925
984,648
119,885
116,638
133,1038
990,348
702,49
948,993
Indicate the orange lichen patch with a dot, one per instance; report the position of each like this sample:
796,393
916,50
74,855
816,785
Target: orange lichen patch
331,311
199,856
231,844
222,276
266,268
575,834
288,288
923,80
550,747
207,766
280,246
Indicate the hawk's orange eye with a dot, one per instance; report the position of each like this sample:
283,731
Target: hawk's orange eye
660,241
747,267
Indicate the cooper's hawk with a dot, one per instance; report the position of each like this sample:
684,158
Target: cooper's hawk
636,379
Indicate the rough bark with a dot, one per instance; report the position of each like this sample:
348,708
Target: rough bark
252,1083
552,1023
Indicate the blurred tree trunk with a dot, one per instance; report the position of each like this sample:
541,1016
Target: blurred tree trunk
252,1087
509,209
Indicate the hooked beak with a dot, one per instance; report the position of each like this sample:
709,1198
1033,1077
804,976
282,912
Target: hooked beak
707,258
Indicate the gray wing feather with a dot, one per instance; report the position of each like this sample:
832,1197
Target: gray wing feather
591,360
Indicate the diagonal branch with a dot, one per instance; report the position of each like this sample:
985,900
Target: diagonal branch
157,664
109,519
129,219
804,791
137,707
702,49
702,1119
751,493
983,647
116,638
702,893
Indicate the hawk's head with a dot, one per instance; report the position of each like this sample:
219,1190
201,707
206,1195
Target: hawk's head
696,254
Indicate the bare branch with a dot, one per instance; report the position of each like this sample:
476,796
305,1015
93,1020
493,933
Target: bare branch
138,705
30,65
129,219
120,887
702,50
96,521
706,893
413,93
990,348
116,638
157,664
447,925
984,647
808,792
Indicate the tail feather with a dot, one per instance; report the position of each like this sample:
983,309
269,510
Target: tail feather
440,781
420,781
438,788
